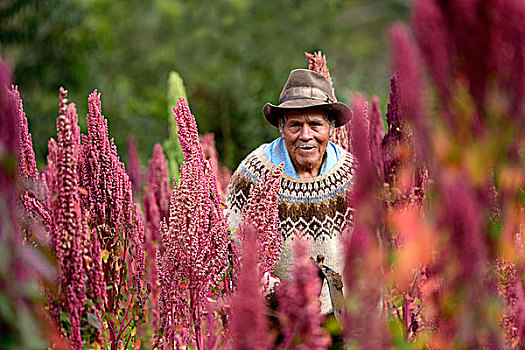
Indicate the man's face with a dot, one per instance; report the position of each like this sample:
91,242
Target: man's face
306,134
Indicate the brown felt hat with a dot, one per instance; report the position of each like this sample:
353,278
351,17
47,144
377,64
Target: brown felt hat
307,89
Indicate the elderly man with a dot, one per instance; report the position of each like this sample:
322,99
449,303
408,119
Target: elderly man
317,173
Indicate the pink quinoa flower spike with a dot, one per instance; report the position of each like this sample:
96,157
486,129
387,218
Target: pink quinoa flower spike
133,169
159,180
194,239
222,173
70,231
156,199
262,212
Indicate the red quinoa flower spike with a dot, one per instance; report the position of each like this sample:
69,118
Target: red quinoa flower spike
408,65
249,324
317,63
398,157
300,315
31,185
26,157
480,43
376,133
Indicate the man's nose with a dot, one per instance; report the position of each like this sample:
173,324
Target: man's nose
306,132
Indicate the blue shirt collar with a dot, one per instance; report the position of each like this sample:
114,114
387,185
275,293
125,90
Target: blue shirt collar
276,153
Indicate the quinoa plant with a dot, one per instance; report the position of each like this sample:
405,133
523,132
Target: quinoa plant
194,242
83,200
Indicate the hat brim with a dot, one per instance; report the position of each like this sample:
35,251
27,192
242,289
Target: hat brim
337,111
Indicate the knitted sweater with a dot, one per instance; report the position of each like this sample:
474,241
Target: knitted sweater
315,207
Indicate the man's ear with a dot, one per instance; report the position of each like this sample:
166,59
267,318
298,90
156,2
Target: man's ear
280,127
332,128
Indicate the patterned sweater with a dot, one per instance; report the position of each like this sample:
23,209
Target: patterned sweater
315,207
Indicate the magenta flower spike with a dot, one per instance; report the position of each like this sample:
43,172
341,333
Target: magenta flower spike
138,249
301,317
26,157
222,173
117,237
159,180
262,212
249,322
362,276
395,135
69,230
104,178
9,143
472,41
133,169
407,64
155,197
103,175
31,185
431,31
376,133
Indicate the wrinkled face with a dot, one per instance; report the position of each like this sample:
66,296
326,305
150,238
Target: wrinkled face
306,134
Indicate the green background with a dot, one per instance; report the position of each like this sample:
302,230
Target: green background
233,55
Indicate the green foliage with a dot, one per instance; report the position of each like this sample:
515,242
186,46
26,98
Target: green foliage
172,147
234,55
48,46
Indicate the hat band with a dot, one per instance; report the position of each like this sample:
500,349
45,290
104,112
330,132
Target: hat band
311,93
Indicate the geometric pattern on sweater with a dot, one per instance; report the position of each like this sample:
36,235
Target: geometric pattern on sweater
317,207
318,229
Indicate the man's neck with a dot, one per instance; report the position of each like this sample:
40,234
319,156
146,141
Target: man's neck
308,172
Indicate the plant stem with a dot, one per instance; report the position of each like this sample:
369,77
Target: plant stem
124,318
